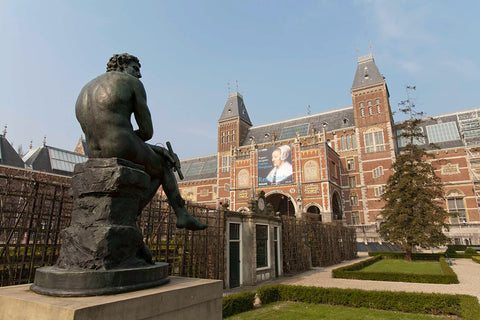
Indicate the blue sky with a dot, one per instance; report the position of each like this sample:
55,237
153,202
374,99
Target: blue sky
286,55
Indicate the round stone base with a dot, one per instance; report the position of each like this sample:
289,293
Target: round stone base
58,282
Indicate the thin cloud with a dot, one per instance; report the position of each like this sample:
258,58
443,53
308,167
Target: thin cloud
397,23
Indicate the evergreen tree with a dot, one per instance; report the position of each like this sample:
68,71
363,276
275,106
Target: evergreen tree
414,212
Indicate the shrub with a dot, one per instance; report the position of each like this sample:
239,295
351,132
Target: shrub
237,303
450,252
470,251
476,259
426,303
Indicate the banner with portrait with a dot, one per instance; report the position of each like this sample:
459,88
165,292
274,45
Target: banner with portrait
275,166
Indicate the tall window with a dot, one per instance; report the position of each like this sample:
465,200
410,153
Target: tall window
353,199
347,142
355,217
456,205
352,182
226,164
374,142
379,191
370,108
261,233
362,109
334,170
378,172
350,164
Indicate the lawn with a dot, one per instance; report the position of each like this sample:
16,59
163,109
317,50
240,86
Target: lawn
297,311
402,266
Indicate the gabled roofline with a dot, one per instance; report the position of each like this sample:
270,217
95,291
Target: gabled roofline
302,117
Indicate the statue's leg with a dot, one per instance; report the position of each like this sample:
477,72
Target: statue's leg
154,185
184,219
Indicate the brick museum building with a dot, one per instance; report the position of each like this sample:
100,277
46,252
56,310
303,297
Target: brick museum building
333,165
330,166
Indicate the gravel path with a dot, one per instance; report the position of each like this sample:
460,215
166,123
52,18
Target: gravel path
468,273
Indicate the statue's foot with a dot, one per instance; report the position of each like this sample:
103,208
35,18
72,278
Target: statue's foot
185,220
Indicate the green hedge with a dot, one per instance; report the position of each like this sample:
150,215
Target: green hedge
237,303
401,255
470,251
463,306
463,255
354,272
457,247
476,259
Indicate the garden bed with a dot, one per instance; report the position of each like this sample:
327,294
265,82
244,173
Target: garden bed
359,271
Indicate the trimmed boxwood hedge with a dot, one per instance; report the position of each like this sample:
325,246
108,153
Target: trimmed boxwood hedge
463,306
457,247
476,259
354,272
463,255
237,303
401,255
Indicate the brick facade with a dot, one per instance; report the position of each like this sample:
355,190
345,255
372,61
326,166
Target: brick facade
340,160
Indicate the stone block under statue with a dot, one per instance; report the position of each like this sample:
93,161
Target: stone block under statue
181,298
102,250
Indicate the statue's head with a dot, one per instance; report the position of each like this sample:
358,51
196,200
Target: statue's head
125,63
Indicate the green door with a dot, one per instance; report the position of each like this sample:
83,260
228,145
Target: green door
275,245
234,277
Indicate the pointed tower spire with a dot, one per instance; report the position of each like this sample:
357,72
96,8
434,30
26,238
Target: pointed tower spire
235,108
367,73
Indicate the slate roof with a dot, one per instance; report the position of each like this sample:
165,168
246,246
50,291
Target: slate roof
8,155
235,107
199,168
333,120
367,73
53,160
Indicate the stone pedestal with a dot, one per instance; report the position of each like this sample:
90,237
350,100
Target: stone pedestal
181,298
103,250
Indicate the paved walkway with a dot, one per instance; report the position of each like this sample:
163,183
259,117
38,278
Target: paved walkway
468,273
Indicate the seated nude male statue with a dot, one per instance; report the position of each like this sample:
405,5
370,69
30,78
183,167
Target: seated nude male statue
104,107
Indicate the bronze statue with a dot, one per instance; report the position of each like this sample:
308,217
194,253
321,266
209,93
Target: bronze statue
104,108
103,250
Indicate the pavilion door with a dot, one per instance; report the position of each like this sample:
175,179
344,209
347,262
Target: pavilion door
234,248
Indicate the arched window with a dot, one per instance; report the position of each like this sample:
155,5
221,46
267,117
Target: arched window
377,101
362,109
